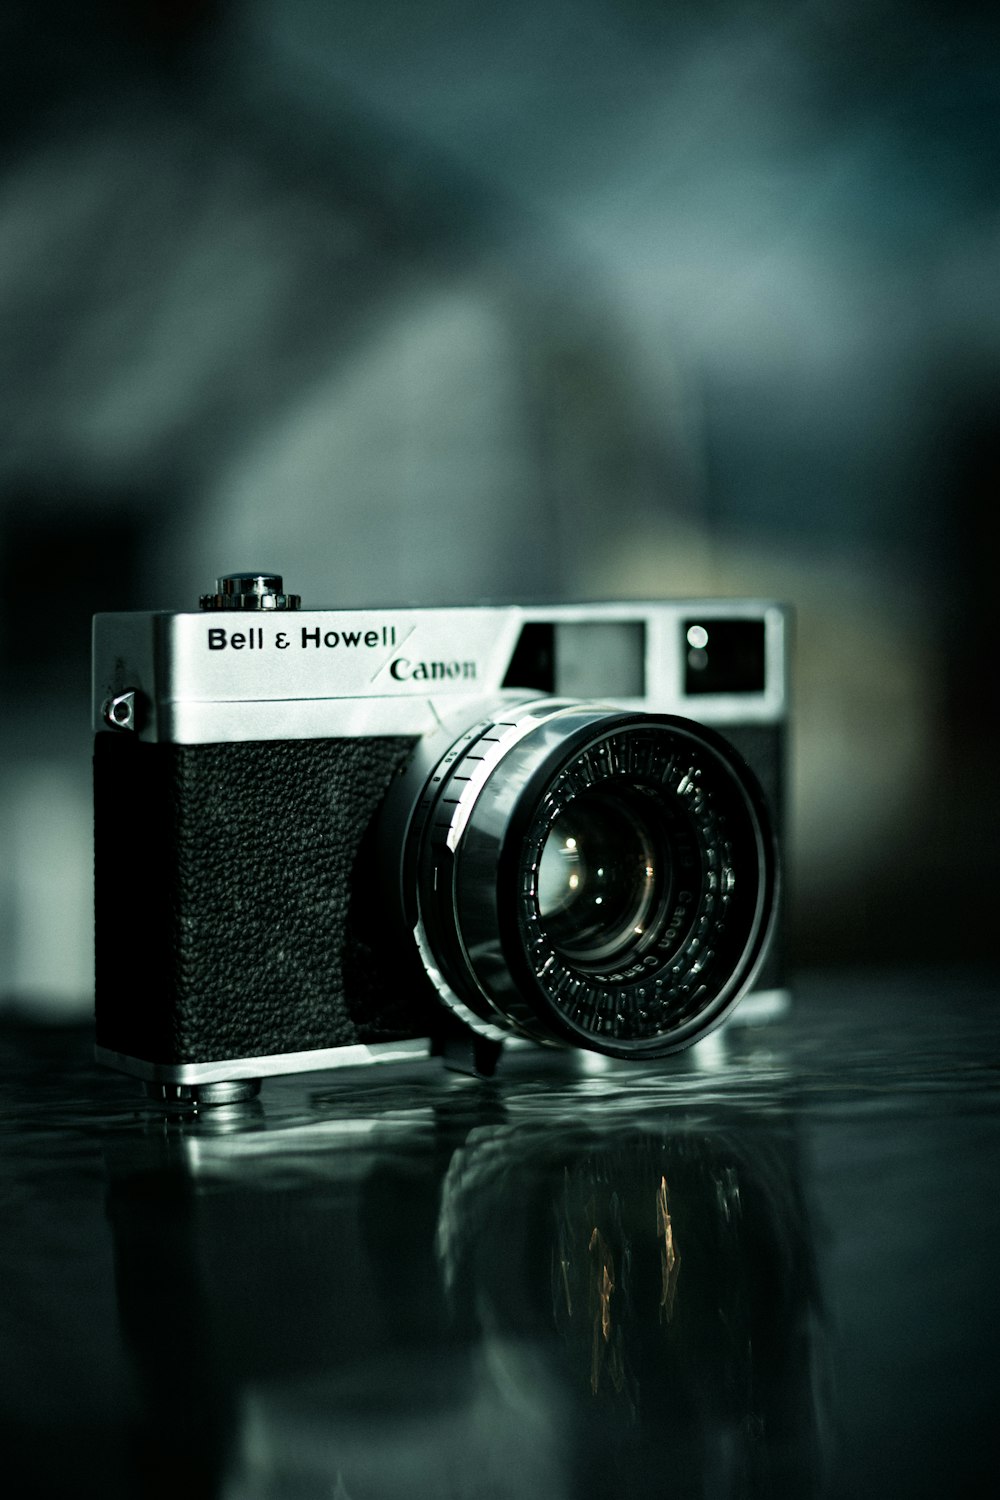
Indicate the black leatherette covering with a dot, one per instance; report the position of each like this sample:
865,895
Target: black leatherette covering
233,897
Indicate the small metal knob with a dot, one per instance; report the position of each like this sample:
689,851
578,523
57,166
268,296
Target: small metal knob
250,591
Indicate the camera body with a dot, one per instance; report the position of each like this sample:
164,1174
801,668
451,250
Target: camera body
362,829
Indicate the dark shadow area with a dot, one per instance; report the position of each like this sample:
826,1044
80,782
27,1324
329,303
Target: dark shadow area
758,1267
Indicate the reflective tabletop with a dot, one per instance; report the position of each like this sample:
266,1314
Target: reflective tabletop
764,1267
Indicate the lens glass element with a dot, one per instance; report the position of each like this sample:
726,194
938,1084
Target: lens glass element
603,878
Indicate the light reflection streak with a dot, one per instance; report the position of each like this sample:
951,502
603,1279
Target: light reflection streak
670,1261
606,1344
564,1267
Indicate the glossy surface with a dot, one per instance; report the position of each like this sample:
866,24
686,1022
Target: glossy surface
764,1268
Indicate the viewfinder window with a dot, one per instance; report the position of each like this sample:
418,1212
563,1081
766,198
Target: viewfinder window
581,659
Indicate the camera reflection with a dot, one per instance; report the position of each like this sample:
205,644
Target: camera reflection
415,1288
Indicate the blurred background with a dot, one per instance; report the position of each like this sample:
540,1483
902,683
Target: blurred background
545,299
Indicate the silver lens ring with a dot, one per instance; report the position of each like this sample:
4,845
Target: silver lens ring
588,875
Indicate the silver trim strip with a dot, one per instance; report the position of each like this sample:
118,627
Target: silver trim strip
358,1055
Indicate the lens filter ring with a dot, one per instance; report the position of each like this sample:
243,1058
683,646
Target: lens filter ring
610,880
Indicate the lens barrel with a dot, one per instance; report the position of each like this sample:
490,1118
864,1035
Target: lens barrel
588,875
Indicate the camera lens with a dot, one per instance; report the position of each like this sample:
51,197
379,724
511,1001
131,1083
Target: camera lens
602,878
587,875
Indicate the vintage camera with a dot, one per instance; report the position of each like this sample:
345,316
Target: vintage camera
326,836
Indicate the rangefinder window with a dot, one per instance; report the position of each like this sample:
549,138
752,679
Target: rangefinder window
724,656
